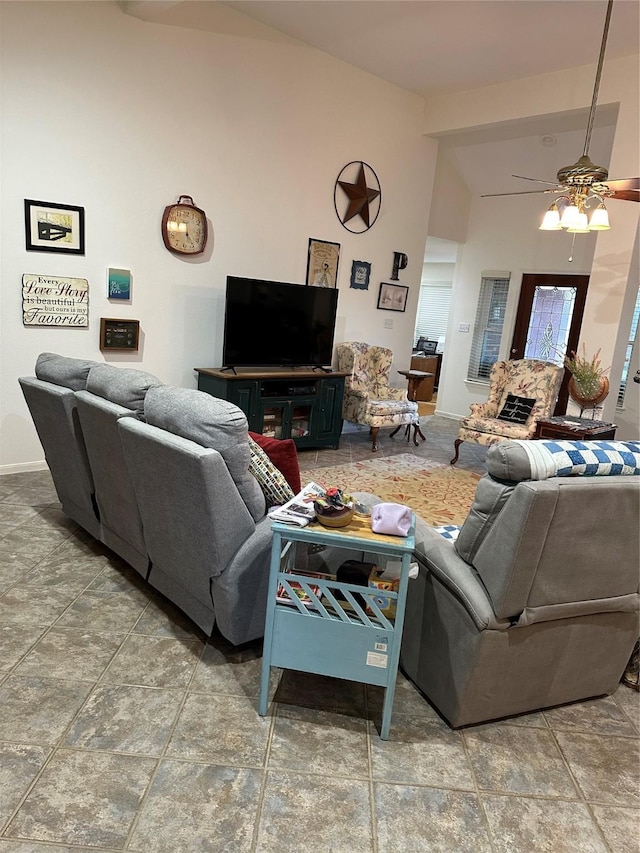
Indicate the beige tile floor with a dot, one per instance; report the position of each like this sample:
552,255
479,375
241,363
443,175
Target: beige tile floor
123,728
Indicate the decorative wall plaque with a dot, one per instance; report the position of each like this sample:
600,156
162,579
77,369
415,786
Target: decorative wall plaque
48,300
119,334
357,196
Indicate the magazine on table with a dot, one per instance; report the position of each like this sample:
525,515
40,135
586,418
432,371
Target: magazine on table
299,511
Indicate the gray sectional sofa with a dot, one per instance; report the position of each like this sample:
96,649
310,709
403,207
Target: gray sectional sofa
160,476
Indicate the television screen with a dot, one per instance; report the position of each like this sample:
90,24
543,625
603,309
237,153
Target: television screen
271,323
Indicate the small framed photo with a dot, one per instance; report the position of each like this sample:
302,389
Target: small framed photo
53,227
322,263
360,274
119,283
119,334
392,297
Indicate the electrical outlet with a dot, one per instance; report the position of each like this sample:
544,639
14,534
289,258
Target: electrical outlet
388,324
463,327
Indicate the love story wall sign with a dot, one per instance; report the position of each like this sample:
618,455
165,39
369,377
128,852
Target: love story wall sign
48,300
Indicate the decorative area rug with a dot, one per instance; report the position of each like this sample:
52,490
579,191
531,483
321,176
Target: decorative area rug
440,494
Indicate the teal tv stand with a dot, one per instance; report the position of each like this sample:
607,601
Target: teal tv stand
304,404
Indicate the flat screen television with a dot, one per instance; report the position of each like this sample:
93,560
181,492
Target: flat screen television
273,323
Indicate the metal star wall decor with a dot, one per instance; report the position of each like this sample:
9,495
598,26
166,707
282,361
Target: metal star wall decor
358,185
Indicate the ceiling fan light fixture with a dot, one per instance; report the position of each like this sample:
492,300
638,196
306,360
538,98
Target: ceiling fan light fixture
599,219
551,220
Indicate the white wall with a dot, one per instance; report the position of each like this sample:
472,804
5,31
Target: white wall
438,273
120,116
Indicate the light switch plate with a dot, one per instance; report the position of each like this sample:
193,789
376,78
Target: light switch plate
463,327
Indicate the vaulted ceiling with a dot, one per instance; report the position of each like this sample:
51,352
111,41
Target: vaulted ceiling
430,47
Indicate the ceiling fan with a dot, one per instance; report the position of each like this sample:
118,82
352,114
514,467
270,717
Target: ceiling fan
583,184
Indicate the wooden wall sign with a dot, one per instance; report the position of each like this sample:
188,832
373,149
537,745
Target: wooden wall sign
49,300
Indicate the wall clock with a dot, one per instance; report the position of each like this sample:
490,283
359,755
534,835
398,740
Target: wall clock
357,196
184,227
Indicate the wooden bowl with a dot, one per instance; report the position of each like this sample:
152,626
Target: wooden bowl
334,517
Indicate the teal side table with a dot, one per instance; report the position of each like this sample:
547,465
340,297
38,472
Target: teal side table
346,637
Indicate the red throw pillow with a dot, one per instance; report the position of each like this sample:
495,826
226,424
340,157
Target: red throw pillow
284,455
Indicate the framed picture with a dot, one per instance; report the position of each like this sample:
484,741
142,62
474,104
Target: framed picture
119,283
52,227
392,297
360,273
322,263
119,334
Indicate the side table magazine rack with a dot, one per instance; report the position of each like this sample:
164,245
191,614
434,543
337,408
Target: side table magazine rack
339,629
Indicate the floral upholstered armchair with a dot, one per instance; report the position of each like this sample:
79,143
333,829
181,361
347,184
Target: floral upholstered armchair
368,397
520,393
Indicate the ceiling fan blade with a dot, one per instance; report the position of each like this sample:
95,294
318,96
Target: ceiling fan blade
523,192
625,188
626,195
537,180
624,184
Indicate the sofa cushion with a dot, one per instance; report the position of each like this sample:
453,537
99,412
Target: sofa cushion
273,483
209,422
284,455
64,371
516,409
122,385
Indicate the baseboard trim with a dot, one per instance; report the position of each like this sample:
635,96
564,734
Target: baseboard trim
448,415
23,468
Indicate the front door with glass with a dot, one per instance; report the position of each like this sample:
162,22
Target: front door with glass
548,321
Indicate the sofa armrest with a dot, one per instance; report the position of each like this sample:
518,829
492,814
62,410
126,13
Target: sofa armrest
438,556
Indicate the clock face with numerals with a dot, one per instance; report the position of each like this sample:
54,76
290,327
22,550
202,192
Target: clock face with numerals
184,228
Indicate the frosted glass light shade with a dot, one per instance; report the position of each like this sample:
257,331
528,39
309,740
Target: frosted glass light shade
599,219
579,225
551,221
569,216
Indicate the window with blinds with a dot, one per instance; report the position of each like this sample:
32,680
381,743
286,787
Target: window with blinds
433,310
487,331
627,359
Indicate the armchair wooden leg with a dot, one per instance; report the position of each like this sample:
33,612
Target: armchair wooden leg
374,438
395,431
456,444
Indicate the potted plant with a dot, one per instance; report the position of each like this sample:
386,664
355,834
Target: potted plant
588,385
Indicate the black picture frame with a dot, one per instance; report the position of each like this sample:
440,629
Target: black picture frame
53,227
323,257
360,274
122,335
392,297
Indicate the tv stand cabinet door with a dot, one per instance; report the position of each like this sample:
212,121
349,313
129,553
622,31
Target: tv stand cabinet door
244,393
329,416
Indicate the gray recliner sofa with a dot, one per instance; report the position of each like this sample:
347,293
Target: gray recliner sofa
536,602
174,497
